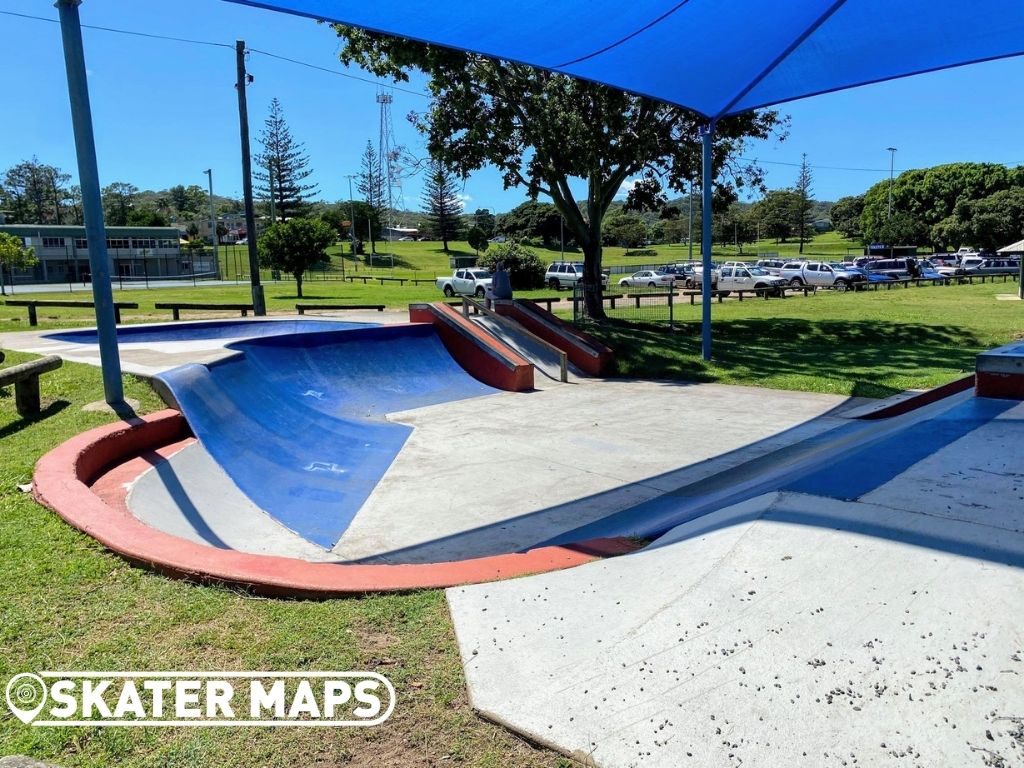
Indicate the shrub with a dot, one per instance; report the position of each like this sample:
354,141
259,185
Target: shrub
525,269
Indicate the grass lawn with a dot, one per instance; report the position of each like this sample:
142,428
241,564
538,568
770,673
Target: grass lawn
65,603
869,344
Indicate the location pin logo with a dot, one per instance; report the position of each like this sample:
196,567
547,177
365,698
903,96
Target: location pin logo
26,695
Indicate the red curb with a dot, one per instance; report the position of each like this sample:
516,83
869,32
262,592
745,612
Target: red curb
1005,386
584,351
921,400
484,356
64,475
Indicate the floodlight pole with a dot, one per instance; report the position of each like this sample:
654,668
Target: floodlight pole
707,143
259,305
92,206
213,223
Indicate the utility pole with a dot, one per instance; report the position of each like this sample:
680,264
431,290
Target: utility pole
213,223
258,303
352,223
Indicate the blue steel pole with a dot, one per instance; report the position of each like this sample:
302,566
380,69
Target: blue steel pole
88,178
707,140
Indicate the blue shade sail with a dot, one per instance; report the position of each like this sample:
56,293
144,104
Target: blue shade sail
717,57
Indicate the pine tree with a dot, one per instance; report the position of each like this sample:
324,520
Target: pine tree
803,189
282,167
371,186
441,202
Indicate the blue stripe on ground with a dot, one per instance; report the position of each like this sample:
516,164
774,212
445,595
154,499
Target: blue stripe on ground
213,329
297,421
864,470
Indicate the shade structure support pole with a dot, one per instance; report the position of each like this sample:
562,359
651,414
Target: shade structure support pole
706,191
92,207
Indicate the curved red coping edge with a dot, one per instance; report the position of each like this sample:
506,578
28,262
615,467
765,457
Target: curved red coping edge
63,480
920,400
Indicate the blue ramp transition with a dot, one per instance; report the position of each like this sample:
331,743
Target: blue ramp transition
298,423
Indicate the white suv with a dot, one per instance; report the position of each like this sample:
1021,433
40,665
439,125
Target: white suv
565,274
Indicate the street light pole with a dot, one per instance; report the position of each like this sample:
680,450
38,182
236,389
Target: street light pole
892,162
213,224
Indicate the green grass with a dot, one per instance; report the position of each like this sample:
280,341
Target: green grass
870,344
65,603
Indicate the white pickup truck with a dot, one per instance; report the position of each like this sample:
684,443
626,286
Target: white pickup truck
822,275
465,282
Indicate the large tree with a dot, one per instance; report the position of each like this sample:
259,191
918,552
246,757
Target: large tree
35,193
541,130
296,245
118,201
441,202
845,215
283,167
370,183
805,199
775,213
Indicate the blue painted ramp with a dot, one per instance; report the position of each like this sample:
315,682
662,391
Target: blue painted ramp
298,423
204,330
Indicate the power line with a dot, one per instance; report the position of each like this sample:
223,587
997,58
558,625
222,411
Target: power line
211,43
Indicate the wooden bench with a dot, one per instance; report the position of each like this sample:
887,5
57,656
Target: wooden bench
25,378
399,280
364,278
547,301
176,308
303,307
693,293
33,303
637,296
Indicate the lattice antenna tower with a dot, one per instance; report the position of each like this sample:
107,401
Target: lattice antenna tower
389,153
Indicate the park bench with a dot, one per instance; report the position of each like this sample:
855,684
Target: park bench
33,303
399,280
637,296
303,307
176,308
693,293
25,378
547,301
364,278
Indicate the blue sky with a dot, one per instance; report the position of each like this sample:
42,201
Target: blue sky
165,111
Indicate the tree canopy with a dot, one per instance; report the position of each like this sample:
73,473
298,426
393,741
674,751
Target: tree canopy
296,245
283,167
35,193
541,129
441,203
13,255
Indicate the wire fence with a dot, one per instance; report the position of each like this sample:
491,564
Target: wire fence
639,304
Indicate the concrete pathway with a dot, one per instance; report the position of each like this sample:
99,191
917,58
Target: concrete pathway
788,630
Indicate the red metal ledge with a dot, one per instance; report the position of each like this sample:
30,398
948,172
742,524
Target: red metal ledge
922,399
63,480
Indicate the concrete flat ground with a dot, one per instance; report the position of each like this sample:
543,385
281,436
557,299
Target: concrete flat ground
151,359
788,630
504,472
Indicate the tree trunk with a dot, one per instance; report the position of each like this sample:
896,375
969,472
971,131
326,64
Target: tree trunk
592,297
444,240
298,284
3,288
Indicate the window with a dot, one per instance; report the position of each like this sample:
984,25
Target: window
53,242
167,244
143,242
117,242
812,267
81,242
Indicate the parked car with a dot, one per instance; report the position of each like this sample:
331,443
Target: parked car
895,269
822,275
407,239
565,274
652,278
773,266
869,277
994,266
466,282
681,271
747,278
928,270
698,276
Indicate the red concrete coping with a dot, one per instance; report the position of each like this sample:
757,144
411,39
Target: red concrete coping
70,481
583,350
1005,386
483,356
922,399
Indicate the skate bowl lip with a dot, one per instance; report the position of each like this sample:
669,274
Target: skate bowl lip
65,480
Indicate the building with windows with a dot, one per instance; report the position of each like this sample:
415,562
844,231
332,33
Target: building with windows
138,253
